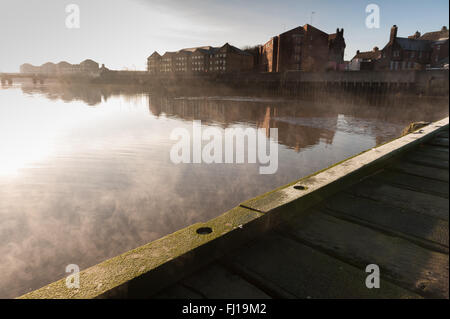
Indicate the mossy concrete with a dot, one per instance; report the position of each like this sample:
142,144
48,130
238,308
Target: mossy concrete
145,270
285,201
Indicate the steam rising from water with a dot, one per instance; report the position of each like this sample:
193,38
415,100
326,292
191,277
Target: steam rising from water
80,184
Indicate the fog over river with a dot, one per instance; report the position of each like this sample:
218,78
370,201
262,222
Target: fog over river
85,173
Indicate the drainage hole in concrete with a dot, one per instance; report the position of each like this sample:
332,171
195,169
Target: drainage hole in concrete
204,231
300,187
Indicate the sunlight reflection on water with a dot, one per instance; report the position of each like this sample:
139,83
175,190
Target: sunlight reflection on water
85,174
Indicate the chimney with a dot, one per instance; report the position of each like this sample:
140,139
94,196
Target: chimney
375,49
394,30
444,28
357,52
415,35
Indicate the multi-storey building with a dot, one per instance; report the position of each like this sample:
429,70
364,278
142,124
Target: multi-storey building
154,63
415,52
201,60
302,49
89,66
62,68
439,47
365,60
29,69
167,63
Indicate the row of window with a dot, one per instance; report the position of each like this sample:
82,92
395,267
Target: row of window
217,68
220,55
195,57
397,65
168,61
411,54
218,62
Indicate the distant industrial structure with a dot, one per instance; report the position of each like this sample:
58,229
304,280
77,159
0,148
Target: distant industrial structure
416,52
62,68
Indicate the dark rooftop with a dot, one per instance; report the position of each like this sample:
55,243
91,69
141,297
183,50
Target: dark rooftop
435,36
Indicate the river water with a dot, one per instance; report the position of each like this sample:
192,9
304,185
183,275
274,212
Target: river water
85,173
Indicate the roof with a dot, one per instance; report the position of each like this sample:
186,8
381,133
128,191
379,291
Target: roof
436,35
155,54
88,61
168,53
332,36
368,55
306,27
201,49
208,50
236,50
294,29
413,44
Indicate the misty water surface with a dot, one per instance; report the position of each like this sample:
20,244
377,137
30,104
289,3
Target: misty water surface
85,173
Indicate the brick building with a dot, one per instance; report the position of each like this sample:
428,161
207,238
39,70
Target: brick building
415,52
154,63
62,68
365,60
89,66
439,47
201,60
302,49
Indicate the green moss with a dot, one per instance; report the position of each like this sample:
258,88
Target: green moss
267,195
116,271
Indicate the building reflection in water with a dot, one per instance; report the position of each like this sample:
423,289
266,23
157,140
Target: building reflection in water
257,114
106,184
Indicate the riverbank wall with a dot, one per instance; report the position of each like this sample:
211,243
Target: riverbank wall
303,84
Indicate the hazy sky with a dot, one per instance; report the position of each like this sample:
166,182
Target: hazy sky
123,33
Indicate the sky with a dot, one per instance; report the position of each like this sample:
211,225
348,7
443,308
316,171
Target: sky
122,33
